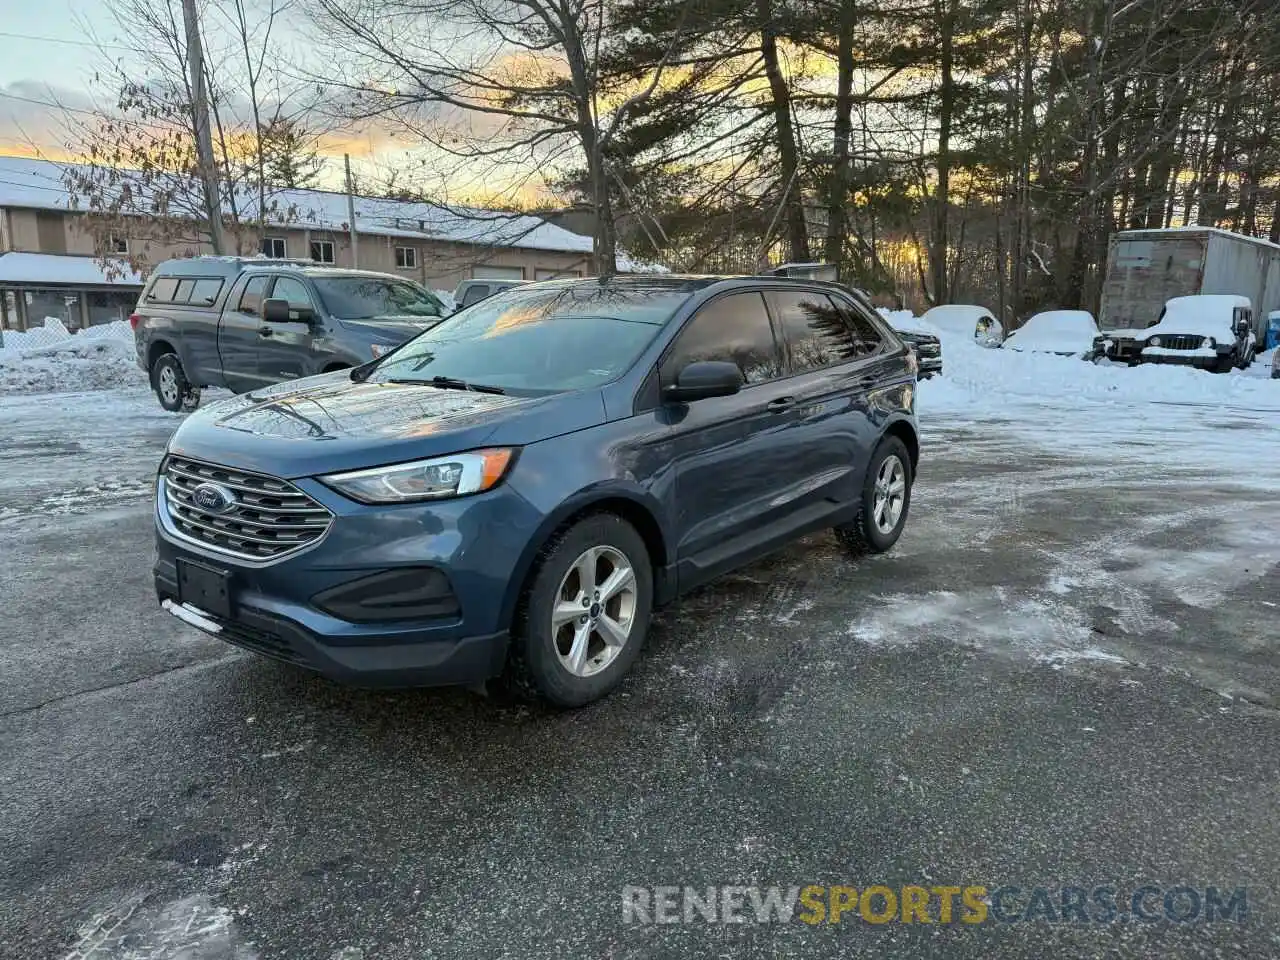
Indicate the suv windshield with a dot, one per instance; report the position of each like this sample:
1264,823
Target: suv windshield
361,298
536,341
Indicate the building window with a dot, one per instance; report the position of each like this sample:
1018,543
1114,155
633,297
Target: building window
498,273
274,247
61,305
117,245
407,258
322,251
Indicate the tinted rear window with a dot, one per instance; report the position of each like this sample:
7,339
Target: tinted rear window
206,292
163,290
198,291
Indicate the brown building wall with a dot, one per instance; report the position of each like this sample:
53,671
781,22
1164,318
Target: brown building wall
439,265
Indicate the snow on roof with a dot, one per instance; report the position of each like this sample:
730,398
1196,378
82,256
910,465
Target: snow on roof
1208,303
1151,232
36,268
26,182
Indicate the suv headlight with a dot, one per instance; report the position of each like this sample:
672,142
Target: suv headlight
1153,342
1210,342
453,476
379,349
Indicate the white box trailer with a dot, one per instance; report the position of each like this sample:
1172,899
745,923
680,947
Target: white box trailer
1148,268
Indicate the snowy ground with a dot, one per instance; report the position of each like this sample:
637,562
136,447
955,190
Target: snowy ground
1066,672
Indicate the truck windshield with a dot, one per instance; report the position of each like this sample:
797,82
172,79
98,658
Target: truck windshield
362,298
539,341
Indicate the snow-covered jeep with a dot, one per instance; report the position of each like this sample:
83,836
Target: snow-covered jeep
1212,332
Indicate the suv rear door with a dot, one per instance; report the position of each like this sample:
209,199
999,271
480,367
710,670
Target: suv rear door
835,357
238,335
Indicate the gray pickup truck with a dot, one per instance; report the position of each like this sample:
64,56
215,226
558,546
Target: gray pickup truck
242,323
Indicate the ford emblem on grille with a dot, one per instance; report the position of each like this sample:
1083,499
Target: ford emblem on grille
213,498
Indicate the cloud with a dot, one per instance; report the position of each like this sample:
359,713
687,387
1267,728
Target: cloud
38,119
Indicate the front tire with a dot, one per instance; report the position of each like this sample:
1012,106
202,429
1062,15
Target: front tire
175,393
886,500
585,614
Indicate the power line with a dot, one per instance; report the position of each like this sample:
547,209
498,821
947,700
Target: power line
46,103
67,40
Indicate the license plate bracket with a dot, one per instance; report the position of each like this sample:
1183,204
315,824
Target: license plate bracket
207,588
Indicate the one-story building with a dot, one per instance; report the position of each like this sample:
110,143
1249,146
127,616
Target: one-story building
48,266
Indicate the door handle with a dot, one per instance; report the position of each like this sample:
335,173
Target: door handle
264,331
781,403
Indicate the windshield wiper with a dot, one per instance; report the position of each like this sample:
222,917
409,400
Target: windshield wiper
452,383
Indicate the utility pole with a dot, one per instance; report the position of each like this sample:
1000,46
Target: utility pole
204,136
351,212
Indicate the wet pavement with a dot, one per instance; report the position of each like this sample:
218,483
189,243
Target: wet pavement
1065,675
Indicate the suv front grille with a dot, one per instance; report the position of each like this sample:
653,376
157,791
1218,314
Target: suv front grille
266,517
1181,342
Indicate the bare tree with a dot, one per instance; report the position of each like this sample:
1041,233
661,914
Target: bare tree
505,92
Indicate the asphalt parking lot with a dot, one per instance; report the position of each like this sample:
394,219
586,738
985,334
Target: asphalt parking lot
1066,674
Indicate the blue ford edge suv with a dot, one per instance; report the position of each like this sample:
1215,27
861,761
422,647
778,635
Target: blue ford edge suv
513,491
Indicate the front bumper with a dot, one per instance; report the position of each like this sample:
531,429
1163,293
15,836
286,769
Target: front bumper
1189,358
473,541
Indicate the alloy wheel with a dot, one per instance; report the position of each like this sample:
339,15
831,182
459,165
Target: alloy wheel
595,610
890,494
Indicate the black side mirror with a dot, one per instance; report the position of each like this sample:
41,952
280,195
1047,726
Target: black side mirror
277,310
705,378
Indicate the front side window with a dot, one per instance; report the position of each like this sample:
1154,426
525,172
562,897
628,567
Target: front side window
540,341
254,290
293,290
733,328
362,298
322,251
475,294
406,257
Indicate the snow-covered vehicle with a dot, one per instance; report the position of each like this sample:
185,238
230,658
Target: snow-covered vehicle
967,320
1209,331
923,342
1069,333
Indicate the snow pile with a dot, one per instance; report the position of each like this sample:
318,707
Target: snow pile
976,378
51,359
1056,331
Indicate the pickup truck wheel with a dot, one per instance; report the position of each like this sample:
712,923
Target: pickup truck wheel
172,388
1226,361
585,614
886,498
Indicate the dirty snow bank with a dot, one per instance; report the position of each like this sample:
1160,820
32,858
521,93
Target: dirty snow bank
975,376
51,359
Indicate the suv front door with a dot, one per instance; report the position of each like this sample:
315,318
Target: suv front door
729,461
286,351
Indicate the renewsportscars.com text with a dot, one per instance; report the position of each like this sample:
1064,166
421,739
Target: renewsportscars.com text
970,904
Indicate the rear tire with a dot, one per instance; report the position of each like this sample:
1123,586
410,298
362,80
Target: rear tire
585,614
174,391
886,500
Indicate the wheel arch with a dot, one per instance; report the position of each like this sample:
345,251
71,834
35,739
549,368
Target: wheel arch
635,507
157,349
905,431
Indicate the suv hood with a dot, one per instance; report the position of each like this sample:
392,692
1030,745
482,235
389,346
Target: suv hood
330,423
